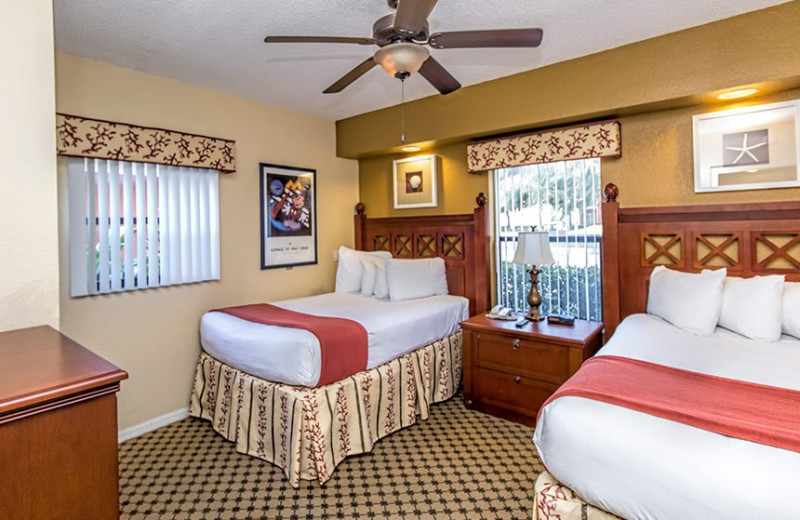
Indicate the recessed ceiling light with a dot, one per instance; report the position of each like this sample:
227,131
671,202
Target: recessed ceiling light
735,94
411,148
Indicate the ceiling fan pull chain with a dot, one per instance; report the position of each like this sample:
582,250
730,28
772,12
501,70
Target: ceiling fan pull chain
402,111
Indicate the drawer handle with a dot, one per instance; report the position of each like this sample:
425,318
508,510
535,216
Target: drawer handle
517,379
515,344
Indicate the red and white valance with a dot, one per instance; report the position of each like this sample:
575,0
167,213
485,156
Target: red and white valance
577,142
98,139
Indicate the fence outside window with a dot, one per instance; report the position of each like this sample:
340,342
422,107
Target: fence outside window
562,198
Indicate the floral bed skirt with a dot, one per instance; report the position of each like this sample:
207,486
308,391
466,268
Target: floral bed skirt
309,431
552,500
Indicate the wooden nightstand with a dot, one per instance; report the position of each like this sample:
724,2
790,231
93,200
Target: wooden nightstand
510,372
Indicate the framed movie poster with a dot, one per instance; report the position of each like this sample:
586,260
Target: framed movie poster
288,216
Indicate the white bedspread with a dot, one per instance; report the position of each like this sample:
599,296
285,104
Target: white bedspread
643,467
292,356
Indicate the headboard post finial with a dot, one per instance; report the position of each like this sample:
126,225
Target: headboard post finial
360,222
481,200
610,192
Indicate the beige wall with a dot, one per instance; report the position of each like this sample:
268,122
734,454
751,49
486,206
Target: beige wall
653,87
153,334
28,230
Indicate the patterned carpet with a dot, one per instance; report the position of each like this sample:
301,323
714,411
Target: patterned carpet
459,464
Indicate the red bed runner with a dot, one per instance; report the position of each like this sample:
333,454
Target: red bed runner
754,412
343,342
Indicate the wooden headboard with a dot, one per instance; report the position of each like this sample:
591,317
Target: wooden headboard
747,239
461,240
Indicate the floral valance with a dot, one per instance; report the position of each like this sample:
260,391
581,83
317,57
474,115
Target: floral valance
95,138
577,142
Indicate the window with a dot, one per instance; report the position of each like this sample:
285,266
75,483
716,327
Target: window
137,225
562,198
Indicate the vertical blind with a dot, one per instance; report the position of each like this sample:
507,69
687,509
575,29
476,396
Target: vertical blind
138,225
562,198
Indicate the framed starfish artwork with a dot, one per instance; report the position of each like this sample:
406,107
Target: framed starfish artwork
747,148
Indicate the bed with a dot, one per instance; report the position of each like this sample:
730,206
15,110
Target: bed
606,461
272,410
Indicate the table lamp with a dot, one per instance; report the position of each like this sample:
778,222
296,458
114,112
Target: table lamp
533,247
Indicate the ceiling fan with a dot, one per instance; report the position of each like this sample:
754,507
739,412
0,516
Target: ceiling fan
402,36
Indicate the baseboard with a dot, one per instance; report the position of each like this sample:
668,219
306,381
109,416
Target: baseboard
152,424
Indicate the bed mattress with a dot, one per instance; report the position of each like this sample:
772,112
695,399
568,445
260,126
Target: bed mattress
292,356
640,466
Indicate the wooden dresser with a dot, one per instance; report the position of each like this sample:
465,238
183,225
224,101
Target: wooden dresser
510,372
58,428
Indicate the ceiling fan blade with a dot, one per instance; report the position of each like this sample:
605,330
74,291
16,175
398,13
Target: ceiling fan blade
351,76
319,39
490,38
412,15
437,76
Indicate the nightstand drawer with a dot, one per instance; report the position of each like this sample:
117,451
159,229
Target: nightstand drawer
524,357
517,393
511,371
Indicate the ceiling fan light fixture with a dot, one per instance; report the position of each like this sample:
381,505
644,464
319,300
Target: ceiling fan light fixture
401,59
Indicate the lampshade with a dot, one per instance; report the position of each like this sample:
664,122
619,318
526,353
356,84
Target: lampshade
401,58
533,247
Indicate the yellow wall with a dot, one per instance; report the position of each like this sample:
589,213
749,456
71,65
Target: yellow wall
28,230
656,168
653,87
456,188
153,334
657,164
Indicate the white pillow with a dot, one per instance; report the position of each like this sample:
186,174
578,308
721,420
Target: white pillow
367,277
752,307
689,301
381,282
791,309
348,274
417,278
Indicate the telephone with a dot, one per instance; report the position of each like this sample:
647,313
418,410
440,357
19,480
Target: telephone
499,312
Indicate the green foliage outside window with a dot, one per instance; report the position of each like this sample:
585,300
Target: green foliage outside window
565,290
562,198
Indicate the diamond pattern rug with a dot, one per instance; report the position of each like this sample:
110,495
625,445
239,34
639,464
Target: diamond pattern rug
459,464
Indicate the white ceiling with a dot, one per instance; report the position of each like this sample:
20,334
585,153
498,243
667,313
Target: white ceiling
219,43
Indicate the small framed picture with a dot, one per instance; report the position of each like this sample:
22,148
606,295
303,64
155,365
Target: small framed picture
415,181
747,148
288,216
